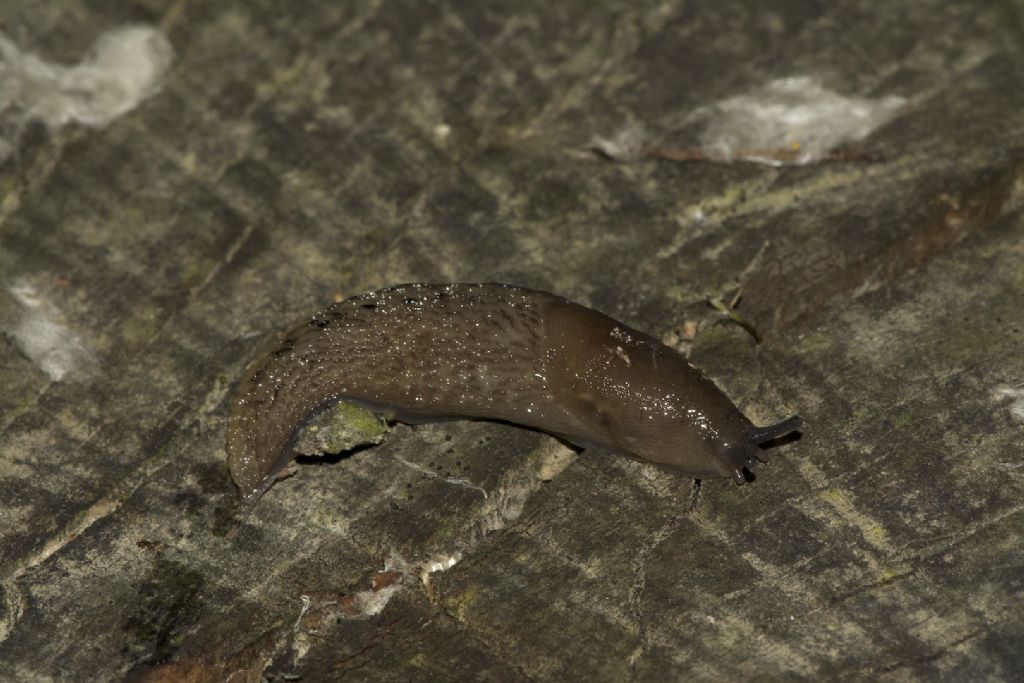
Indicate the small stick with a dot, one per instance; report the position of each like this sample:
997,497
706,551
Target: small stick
729,311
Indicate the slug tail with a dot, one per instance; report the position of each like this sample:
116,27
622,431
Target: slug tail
278,394
256,445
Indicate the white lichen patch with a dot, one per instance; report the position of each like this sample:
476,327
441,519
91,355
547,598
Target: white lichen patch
38,331
785,121
125,66
440,563
371,603
795,114
1014,398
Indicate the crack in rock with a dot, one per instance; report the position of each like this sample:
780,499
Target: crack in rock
640,582
434,475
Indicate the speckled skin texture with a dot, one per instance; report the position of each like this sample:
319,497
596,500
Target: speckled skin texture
487,351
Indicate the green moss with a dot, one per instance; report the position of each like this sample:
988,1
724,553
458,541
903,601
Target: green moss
360,421
341,428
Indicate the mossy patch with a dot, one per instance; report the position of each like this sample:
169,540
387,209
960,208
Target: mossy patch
340,428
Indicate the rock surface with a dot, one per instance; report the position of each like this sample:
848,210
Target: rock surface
298,155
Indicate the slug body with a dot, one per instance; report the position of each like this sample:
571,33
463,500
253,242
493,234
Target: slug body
490,351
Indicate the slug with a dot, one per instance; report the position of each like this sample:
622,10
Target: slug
496,352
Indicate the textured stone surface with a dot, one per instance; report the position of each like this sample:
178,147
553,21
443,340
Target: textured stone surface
299,154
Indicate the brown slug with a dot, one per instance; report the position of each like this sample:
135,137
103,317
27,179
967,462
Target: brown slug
490,351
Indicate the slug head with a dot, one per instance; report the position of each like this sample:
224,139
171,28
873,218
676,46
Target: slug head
744,453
